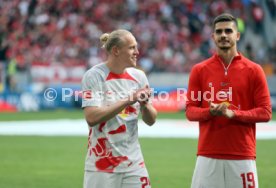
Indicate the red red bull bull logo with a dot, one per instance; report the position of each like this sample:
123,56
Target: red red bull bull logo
129,110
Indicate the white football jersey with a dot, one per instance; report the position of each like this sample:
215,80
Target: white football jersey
113,145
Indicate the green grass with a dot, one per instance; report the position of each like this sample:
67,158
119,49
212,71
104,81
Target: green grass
41,162
58,162
64,114
74,114
42,115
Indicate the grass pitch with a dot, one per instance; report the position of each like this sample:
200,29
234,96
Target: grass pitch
58,162
67,114
75,114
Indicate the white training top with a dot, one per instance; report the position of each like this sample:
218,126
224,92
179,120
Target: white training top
113,145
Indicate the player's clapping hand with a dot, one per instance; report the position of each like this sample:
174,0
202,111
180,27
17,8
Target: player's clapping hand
220,109
228,113
216,109
142,95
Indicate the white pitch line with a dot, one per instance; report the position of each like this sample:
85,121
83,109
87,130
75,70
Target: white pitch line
162,128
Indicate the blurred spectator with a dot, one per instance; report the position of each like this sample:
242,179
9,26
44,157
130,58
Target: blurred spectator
258,16
241,28
249,51
3,50
173,35
272,55
268,68
11,81
271,5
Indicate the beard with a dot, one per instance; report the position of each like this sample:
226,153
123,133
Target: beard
224,48
224,45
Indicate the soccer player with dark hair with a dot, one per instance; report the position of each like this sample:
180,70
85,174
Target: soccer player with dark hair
227,122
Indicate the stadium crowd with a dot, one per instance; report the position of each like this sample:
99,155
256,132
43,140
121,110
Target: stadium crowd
173,35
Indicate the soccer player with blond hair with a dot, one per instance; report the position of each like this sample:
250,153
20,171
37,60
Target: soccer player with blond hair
114,93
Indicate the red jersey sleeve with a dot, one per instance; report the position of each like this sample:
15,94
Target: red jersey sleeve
194,111
262,111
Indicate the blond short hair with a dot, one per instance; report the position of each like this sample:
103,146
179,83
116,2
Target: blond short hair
115,38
